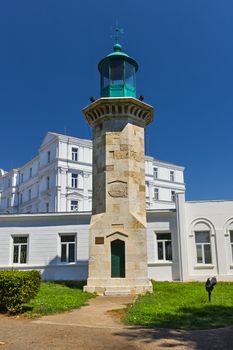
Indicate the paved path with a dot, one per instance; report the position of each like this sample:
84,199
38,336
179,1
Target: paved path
94,327
95,315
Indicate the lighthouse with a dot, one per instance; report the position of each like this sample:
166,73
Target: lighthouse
118,239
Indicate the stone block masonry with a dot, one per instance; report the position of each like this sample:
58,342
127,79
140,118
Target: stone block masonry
118,246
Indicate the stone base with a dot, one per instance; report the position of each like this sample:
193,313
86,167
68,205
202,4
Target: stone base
119,289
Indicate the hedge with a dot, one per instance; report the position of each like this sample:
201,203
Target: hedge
17,288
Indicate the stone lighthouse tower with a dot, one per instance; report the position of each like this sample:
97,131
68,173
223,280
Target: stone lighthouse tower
118,241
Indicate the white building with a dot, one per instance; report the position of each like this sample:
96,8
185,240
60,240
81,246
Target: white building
192,242
59,179
186,240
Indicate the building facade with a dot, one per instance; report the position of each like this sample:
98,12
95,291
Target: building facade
190,243
59,179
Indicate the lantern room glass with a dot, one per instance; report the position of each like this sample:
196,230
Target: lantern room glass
117,72
130,75
104,76
118,79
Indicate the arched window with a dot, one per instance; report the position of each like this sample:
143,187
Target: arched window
231,242
202,233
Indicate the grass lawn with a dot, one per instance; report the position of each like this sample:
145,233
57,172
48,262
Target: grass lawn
57,297
183,306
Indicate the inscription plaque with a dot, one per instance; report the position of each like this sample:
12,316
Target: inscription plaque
118,189
99,240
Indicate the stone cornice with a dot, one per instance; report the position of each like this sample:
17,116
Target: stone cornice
159,181
74,162
35,216
120,108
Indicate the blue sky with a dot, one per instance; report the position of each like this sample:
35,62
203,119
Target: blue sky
48,70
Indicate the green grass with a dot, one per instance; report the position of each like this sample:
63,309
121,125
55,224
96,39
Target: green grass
55,297
183,306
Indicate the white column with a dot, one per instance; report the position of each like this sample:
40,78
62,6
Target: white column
85,191
63,183
182,237
221,253
151,194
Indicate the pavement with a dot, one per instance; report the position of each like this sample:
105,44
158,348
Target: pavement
95,315
95,326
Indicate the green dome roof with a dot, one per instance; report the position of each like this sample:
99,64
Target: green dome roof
117,53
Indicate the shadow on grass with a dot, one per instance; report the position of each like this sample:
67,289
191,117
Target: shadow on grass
210,339
4,311
191,318
194,328
26,308
71,284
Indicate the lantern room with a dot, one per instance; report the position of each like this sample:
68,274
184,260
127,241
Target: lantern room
118,74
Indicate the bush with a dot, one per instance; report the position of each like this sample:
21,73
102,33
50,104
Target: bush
17,288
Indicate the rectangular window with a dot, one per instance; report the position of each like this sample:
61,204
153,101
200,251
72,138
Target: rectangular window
203,247
156,194
164,246
75,154
172,176
29,194
48,182
30,172
21,178
20,247
173,196
48,156
8,202
231,239
74,206
68,248
147,189
47,207
21,198
9,183
74,180
155,173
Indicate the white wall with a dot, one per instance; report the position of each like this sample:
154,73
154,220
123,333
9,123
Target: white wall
217,218
162,222
59,169
43,231
44,244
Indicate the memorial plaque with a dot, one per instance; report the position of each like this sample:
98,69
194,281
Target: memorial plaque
118,189
99,240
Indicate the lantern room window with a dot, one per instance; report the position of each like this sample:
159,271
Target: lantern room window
105,76
117,72
129,75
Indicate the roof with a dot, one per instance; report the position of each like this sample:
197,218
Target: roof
180,167
50,136
117,53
